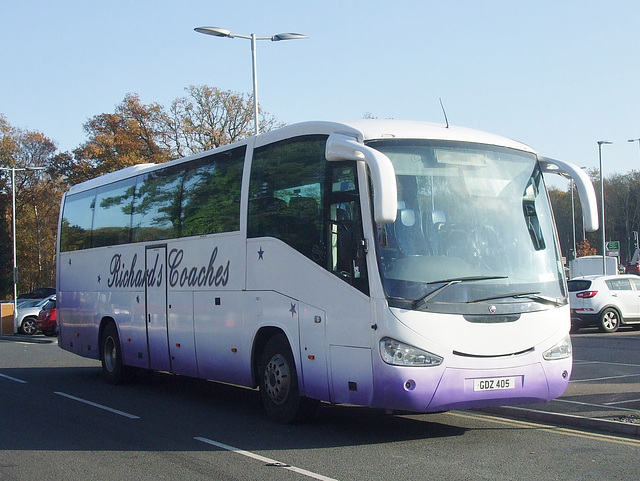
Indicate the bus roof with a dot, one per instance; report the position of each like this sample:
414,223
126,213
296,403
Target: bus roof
110,177
369,129
362,130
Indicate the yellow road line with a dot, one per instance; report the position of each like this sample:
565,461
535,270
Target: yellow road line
547,427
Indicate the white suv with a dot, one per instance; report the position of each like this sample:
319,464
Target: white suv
604,301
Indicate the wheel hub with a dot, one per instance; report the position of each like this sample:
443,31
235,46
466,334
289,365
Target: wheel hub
110,354
277,379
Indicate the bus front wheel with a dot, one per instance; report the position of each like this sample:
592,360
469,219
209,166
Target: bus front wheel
111,355
279,384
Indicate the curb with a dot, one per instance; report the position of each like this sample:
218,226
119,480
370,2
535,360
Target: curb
572,420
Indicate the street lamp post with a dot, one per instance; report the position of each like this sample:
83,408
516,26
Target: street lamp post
13,222
604,244
222,32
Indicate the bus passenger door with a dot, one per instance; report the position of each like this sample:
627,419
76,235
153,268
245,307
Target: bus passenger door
313,352
156,308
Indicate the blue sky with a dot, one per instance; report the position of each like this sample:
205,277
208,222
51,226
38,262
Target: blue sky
557,75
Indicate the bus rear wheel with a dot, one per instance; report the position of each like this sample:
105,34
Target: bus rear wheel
111,356
279,390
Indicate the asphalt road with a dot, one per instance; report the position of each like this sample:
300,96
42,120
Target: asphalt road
59,420
604,391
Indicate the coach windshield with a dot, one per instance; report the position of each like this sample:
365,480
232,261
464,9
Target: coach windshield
474,225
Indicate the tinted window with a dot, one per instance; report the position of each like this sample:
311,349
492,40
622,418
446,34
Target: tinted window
619,284
286,194
112,217
197,198
346,249
192,198
51,303
157,209
581,285
211,194
77,217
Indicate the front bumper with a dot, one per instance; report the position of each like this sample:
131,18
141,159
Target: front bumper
433,390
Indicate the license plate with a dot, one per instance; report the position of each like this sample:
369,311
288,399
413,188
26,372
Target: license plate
494,383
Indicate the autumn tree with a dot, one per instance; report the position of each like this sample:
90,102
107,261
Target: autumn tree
208,117
126,137
7,151
584,248
37,203
136,133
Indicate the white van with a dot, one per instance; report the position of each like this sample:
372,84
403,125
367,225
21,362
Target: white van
592,266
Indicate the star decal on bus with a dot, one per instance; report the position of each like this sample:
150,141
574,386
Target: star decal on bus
293,309
260,254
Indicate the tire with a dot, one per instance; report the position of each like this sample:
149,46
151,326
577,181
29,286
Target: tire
111,356
279,384
28,326
609,320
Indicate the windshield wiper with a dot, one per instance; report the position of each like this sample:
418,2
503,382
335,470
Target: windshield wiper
447,283
536,296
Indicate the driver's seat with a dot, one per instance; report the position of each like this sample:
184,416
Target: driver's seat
436,226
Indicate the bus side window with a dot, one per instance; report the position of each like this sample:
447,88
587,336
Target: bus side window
156,210
286,194
112,216
343,240
77,218
347,255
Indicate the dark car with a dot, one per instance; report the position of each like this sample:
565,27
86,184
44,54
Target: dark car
39,293
47,321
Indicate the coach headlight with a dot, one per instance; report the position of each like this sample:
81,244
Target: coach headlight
560,350
400,354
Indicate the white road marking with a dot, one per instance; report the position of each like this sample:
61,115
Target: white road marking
576,361
622,402
606,378
592,405
268,461
13,379
99,406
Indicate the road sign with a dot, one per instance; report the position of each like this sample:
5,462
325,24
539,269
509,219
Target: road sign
613,245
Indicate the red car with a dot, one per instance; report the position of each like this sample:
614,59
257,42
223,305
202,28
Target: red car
632,268
47,320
